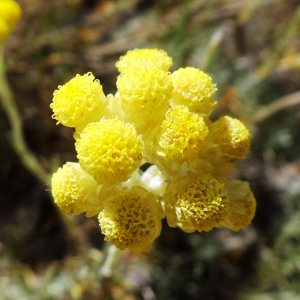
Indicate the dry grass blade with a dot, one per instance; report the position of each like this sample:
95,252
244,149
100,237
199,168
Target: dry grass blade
274,107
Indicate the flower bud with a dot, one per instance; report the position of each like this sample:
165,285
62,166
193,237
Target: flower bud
196,202
109,150
194,89
80,101
131,219
145,57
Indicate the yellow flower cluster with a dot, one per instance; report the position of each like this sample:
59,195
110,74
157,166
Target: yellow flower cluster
159,118
10,12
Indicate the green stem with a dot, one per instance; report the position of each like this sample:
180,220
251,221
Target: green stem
28,159
16,135
111,258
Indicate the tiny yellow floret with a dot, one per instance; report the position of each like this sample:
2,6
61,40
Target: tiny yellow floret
183,135
109,150
196,202
145,57
79,101
131,220
242,205
231,136
194,89
145,93
75,191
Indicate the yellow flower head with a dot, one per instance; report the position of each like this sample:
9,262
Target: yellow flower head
146,57
196,202
109,150
231,136
183,135
242,205
79,101
131,220
194,89
4,30
10,12
74,191
145,93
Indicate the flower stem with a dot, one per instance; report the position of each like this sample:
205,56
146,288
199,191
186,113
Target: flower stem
16,135
112,255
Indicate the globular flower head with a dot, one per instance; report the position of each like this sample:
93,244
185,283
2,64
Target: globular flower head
194,89
242,205
80,101
145,92
196,202
183,135
75,191
131,219
109,150
231,136
10,12
145,57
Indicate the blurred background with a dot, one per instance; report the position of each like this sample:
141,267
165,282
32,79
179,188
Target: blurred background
251,48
